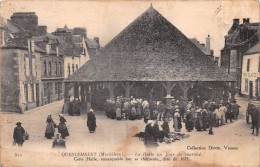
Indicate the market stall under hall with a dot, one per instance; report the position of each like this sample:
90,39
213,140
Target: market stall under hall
149,59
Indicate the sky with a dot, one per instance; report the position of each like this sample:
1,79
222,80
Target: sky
105,19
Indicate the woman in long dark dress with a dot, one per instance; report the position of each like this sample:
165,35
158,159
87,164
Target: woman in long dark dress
62,128
189,123
49,132
91,122
149,140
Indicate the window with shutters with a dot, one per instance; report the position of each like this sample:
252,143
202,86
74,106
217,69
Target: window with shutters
69,69
33,67
56,68
27,66
248,65
26,92
56,88
77,67
44,68
45,89
73,68
60,69
50,69
32,89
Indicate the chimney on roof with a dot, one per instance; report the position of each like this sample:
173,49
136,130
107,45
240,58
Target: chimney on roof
236,22
96,39
26,20
246,20
80,31
208,43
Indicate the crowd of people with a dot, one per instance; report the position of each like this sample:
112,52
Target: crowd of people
199,115
202,118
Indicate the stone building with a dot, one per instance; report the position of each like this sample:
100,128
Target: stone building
80,48
31,64
52,70
250,81
239,39
20,70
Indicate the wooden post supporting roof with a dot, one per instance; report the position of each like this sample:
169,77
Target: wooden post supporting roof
127,86
185,86
82,93
111,87
168,87
76,91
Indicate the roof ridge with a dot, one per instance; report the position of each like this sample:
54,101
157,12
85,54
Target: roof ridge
149,10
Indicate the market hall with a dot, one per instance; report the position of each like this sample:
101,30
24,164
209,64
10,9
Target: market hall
153,60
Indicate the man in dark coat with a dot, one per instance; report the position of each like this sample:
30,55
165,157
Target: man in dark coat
58,142
18,134
255,120
91,122
235,109
229,112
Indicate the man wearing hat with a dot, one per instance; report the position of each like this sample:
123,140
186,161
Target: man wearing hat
235,108
18,134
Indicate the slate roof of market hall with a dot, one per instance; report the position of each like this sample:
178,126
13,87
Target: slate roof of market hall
150,49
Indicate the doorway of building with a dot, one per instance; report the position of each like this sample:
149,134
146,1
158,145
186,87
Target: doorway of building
250,89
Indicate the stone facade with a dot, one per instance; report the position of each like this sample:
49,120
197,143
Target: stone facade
52,78
21,80
238,40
